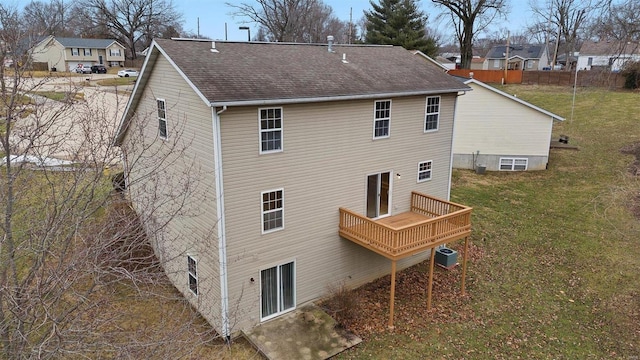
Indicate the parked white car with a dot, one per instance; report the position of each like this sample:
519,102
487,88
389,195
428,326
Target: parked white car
127,73
83,70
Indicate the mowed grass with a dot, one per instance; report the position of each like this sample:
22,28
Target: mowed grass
558,277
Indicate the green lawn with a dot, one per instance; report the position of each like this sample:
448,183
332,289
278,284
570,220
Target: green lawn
556,254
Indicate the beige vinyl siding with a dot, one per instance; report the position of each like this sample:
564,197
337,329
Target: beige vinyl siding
328,153
193,231
51,52
493,124
109,57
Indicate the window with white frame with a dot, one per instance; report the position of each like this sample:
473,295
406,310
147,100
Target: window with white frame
162,118
382,119
496,63
277,290
513,164
272,210
424,170
432,113
114,52
75,52
530,64
192,268
270,130
87,52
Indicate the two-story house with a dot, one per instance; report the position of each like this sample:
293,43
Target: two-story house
318,165
66,54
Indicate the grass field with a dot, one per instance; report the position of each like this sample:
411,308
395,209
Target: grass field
556,253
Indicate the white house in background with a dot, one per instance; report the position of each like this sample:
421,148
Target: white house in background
500,131
610,55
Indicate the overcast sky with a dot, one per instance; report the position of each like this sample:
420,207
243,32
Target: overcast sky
213,14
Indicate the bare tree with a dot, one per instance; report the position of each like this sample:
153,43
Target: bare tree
136,22
468,18
565,20
293,20
619,22
49,18
74,256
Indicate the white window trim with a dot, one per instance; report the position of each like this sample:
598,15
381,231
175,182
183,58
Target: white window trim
114,52
375,120
430,171
295,288
260,131
190,275
426,107
513,163
76,53
166,122
496,63
262,212
86,52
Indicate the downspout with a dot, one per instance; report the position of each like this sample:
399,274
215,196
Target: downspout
453,131
222,241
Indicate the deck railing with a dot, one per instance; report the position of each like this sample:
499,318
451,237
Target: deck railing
446,221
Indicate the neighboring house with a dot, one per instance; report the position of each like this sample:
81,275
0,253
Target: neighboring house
499,131
609,55
308,159
66,54
521,57
477,63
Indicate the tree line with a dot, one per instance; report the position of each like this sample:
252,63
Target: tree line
466,25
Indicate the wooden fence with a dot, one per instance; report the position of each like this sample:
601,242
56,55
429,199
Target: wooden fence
591,78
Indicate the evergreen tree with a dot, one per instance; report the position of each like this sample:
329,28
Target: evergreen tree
398,22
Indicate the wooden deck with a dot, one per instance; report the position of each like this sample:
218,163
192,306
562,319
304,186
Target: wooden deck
430,223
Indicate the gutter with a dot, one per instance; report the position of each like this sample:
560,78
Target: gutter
222,239
453,133
260,102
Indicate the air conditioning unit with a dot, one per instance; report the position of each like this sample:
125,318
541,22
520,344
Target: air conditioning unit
446,258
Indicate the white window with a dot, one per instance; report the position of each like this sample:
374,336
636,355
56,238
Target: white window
192,268
381,119
496,63
277,290
272,210
432,114
162,118
75,52
270,130
530,64
513,164
114,52
424,170
87,52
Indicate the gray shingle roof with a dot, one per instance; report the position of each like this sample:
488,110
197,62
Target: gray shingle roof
85,43
606,48
240,72
526,51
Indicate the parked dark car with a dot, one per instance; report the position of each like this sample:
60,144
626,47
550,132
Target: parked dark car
98,69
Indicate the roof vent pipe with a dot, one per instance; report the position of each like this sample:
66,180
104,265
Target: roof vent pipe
330,41
344,58
213,47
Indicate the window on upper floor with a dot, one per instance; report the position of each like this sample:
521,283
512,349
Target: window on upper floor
87,52
192,269
114,52
424,170
75,52
432,114
270,130
272,210
381,119
162,118
513,164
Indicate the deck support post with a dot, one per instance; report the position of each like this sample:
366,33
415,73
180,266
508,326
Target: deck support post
464,263
430,288
393,293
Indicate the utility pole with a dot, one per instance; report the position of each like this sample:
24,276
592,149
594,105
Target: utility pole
506,59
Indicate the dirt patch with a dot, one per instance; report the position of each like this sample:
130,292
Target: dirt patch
634,170
368,312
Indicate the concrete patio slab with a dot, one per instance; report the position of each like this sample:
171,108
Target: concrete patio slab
307,333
